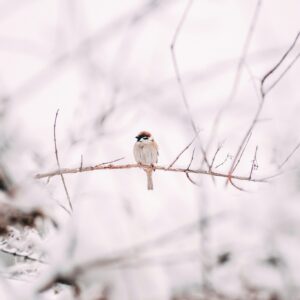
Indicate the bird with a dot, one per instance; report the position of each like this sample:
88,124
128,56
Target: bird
145,152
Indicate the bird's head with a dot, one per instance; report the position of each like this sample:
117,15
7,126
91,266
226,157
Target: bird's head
144,136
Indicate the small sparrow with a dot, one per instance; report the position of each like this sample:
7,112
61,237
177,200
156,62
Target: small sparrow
145,152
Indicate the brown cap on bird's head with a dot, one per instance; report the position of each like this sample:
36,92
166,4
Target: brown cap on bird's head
143,134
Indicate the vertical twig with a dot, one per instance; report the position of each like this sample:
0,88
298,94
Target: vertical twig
58,163
178,76
215,156
192,158
254,163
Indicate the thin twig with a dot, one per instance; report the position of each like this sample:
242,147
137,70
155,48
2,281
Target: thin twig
271,71
81,161
213,161
192,158
254,162
58,163
238,73
289,156
191,180
110,162
178,76
246,47
186,148
242,151
253,80
215,156
235,185
282,74
224,161
261,105
176,67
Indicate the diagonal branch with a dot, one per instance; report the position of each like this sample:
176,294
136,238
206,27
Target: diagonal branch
289,156
261,104
186,148
238,73
282,59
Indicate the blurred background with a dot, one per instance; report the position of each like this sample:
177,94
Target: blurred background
107,66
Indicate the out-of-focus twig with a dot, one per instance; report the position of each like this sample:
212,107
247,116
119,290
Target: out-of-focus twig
58,163
242,151
175,63
178,75
238,73
24,256
289,156
283,73
215,156
276,66
261,105
192,159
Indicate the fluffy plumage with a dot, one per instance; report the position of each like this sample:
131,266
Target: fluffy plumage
146,152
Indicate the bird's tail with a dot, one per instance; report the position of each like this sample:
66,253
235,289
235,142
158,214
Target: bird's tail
149,179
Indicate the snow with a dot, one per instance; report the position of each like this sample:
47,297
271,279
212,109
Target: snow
120,81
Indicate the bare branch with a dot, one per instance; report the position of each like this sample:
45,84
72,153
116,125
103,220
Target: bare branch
261,105
282,74
178,76
246,47
110,162
242,150
235,185
191,180
139,166
58,163
253,80
289,156
270,72
215,156
177,72
186,148
238,73
192,158
224,161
